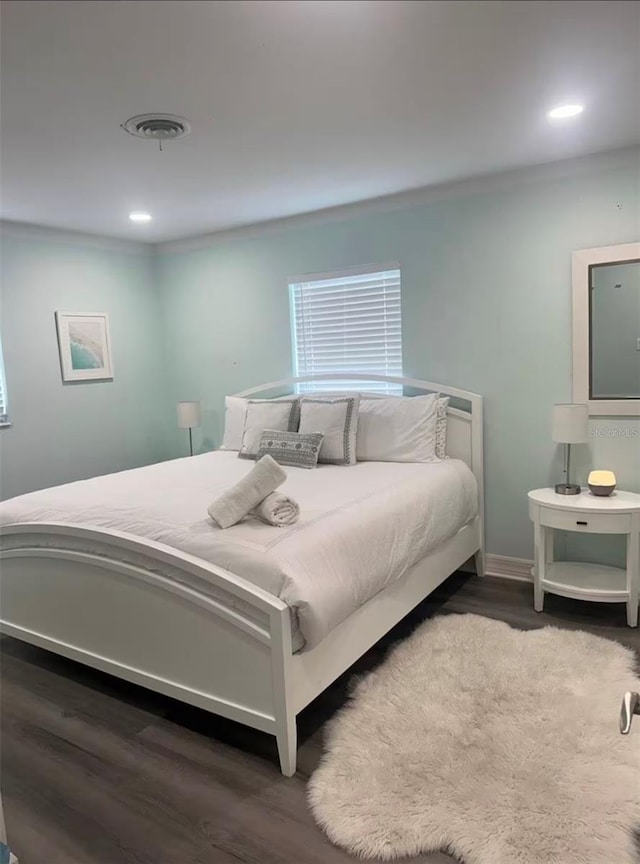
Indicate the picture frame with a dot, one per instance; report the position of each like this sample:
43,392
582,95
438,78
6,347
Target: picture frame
85,346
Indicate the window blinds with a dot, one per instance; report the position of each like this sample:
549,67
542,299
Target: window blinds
348,322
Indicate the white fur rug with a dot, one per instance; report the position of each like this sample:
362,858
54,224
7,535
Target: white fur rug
495,745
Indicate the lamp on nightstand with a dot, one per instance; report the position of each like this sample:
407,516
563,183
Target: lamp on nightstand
189,417
570,425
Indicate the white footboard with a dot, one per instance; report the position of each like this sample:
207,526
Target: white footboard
98,597
229,653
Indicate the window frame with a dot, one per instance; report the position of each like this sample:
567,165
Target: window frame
344,273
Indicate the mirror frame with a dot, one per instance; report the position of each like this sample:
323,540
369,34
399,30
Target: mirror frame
583,259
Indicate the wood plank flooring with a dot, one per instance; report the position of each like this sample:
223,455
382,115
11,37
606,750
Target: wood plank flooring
97,771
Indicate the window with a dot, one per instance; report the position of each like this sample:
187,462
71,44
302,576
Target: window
344,322
3,393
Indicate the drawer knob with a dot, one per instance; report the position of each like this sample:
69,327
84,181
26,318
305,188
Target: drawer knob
578,522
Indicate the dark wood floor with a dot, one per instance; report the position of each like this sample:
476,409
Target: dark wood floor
96,771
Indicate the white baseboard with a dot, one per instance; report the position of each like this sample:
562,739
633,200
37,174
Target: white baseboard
509,568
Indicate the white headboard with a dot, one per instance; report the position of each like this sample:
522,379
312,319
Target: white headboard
464,426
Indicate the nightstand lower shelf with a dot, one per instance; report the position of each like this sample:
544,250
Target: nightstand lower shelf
582,581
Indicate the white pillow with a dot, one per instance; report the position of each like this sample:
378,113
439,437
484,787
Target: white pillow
398,429
336,418
278,414
235,413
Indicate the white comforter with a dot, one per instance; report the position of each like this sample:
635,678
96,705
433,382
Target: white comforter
360,527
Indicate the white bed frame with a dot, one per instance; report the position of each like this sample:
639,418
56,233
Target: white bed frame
230,654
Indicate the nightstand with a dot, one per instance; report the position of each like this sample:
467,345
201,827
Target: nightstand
587,514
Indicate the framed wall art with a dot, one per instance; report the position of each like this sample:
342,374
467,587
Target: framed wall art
85,346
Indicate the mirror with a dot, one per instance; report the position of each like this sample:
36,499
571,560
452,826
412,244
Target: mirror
606,329
614,330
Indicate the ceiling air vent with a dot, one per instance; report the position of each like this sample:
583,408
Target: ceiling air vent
157,127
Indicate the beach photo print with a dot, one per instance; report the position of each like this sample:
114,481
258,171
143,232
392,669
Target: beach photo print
85,349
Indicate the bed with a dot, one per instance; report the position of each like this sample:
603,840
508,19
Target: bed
124,572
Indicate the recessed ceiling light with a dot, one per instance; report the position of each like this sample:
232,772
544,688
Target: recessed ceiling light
140,216
562,112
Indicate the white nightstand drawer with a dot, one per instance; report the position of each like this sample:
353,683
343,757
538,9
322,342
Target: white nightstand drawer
596,523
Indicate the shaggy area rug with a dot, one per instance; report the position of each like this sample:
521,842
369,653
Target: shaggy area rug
495,745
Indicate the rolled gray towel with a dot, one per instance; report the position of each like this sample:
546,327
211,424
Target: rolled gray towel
277,509
265,476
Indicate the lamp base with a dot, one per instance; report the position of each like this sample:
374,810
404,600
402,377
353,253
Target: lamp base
567,489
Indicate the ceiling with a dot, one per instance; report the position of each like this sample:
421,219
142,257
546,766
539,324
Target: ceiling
296,105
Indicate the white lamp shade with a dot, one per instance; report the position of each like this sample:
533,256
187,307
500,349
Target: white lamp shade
570,423
189,415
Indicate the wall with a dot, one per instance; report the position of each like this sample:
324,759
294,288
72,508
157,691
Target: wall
615,330
486,302
63,432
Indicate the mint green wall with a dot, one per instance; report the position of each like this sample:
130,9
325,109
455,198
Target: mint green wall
62,432
486,301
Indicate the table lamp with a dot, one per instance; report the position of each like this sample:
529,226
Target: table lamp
570,425
189,417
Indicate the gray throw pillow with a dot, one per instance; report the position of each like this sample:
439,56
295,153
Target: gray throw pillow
298,449
264,414
337,419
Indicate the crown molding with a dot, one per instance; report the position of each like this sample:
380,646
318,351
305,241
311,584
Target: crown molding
28,231
627,157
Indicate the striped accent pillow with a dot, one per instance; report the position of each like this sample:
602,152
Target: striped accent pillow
442,403
298,449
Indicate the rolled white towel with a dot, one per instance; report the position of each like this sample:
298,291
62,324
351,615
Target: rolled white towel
277,509
265,476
